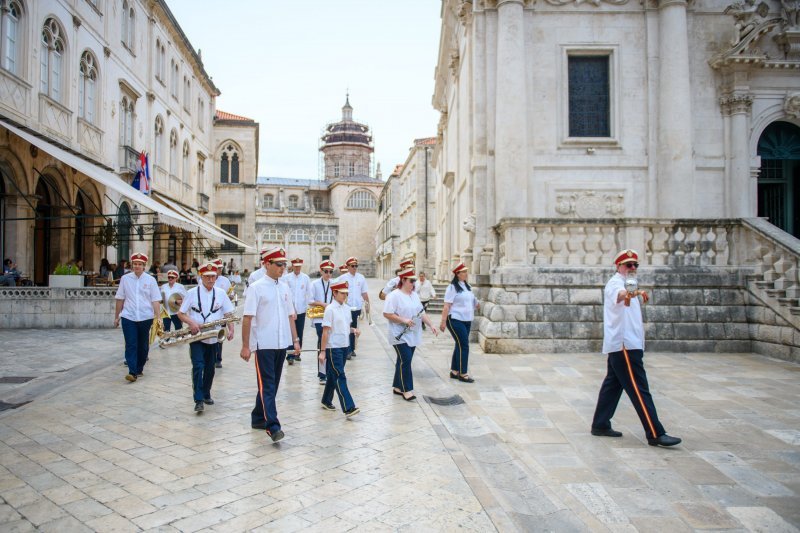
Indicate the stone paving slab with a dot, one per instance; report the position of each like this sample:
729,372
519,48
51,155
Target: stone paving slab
94,453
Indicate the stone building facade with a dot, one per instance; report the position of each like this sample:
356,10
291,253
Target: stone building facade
387,235
571,129
85,87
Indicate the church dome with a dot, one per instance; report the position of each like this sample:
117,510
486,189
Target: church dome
347,131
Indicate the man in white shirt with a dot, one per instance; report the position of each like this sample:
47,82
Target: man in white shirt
321,296
300,288
623,341
425,291
167,290
357,298
333,350
270,303
138,304
257,274
203,304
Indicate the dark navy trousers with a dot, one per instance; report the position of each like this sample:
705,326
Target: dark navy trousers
202,356
174,320
459,329
320,374
137,343
353,324
269,365
300,326
403,378
337,381
626,372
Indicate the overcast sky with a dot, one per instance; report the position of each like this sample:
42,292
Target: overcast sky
288,63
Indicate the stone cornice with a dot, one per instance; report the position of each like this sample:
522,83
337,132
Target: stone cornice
733,104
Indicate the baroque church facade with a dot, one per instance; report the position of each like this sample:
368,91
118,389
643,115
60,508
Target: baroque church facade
572,129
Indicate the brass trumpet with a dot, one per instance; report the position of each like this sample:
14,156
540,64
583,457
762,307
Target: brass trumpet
184,335
315,311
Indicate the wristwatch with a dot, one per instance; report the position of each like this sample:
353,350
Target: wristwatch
297,339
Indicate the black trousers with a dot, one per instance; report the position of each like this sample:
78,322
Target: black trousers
300,326
626,372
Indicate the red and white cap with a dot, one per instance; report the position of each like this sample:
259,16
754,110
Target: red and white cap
340,287
406,263
626,256
273,254
461,267
140,257
172,274
207,269
351,261
217,262
297,262
408,273
327,264
343,268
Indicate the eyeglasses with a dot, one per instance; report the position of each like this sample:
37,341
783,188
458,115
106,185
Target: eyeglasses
327,271
353,266
633,265
279,264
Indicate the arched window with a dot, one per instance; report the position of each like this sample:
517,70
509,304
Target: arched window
173,153
158,145
224,168
128,24
52,59
336,170
87,88
362,200
294,201
352,168
187,94
235,168
160,58
173,79
317,203
10,36
299,235
269,201
126,121
272,235
124,224
185,175
326,236
229,165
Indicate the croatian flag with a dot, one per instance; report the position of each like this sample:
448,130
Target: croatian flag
144,174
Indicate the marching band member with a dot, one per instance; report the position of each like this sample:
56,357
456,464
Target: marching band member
204,303
402,308
168,289
457,314
269,303
356,298
392,283
225,284
257,274
321,295
336,326
138,303
300,288
342,271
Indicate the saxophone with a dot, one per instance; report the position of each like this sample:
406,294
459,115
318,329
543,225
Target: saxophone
207,331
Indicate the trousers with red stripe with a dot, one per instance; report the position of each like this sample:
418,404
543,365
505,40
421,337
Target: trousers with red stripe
269,365
626,372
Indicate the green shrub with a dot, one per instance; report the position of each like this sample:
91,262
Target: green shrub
66,270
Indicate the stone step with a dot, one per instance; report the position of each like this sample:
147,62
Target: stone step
789,302
795,311
776,293
764,284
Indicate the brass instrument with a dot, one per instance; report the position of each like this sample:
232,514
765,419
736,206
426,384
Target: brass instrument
631,285
315,311
157,329
207,331
174,302
366,314
232,294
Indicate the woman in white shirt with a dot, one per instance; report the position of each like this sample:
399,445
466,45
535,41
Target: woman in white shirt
457,314
336,331
405,314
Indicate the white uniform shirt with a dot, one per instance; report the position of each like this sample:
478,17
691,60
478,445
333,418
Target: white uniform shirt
462,303
223,283
338,318
392,285
622,326
203,305
356,285
257,275
300,287
320,292
270,304
425,290
405,306
139,295
168,291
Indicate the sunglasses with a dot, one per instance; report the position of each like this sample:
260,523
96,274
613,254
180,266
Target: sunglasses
634,265
353,266
327,271
279,264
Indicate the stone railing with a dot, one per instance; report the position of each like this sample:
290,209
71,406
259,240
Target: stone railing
54,307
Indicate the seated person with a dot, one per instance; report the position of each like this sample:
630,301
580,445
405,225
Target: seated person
10,273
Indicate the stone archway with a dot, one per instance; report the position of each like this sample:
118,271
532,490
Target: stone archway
779,177
44,254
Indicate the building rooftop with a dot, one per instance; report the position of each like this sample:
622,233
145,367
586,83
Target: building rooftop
312,183
223,115
425,141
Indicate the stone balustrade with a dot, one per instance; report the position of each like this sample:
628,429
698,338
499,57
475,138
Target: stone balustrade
54,307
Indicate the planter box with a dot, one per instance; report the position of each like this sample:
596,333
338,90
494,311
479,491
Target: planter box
69,282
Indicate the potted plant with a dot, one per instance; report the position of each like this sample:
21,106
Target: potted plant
67,276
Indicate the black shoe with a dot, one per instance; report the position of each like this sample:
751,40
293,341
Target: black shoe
465,379
352,412
131,377
328,406
664,440
290,361
606,432
352,354
297,358
262,426
349,357
198,407
208,401
278,435
218,364
453,376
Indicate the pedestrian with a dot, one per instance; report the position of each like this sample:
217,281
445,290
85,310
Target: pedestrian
268,307
167,290
342,271
321,297
138,303
357,298
258,273
336,329
405,313
300,288
225,284
169,265
623,341
392,283
459,309
203,304
425,291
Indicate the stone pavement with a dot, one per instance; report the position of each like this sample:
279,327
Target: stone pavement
92,452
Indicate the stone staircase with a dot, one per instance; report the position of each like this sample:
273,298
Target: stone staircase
435,307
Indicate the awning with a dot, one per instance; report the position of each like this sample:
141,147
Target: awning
205,224
110,180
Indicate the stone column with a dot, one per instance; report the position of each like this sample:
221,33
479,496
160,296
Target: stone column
741,188
511,141
675,160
